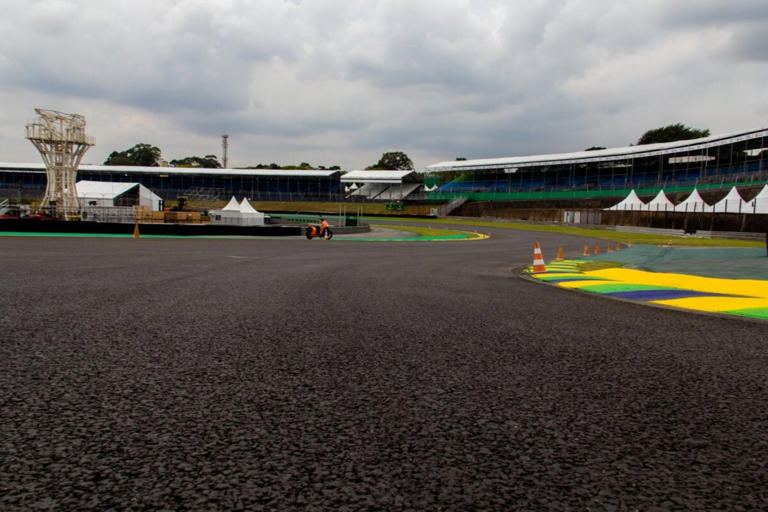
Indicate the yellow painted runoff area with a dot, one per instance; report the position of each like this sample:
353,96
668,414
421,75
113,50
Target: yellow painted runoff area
715,304
744,297
743,287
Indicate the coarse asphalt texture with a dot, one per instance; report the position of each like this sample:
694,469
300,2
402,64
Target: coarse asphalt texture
171,374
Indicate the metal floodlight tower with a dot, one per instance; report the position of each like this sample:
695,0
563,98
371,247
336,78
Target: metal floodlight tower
61,140
225,147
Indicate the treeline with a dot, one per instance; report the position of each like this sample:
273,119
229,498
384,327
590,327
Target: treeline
303,166
147,155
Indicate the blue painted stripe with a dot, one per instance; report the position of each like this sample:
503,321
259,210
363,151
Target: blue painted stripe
664,294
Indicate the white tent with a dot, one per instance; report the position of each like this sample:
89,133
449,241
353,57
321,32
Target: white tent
232,206
237,214
660,203
693,204
249,215
731,203
111,194
631,202
759,204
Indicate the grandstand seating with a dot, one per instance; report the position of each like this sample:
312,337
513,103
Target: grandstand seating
604,180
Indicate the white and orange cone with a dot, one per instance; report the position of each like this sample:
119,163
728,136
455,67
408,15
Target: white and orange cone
538,259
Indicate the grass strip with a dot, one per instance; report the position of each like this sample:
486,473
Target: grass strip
430,232
616,236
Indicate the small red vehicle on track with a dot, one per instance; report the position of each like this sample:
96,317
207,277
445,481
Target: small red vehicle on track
321,231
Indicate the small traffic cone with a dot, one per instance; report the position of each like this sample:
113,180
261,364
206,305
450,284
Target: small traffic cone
538,260
618,246
597,248
586,250
559,253
629,244
136,231
608,248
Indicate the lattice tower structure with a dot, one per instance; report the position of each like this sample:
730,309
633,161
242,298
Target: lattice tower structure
225,150
61,140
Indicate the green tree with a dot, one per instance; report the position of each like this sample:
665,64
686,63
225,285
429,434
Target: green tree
393,161
671,133
141,154
206,162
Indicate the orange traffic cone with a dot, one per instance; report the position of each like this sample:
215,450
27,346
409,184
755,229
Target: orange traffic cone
629,244
538,260
586,250
608,248
618,246
559,253
597,248
136,231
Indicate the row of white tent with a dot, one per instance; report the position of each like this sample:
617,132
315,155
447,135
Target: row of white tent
731,203
237,214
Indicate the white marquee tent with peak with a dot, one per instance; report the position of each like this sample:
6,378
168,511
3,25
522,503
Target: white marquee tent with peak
759,204
731,203
629,203
232,206
693,204
660,203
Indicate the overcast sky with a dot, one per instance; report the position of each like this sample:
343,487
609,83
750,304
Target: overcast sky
340,82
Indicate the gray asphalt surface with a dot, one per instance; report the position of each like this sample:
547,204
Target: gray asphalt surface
312,375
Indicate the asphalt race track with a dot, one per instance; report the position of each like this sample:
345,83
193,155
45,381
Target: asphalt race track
171,374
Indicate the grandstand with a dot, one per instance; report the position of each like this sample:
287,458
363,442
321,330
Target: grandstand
25,181
381,185
714,162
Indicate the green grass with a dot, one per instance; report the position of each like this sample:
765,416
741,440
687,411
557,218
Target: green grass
604,234
424,231
587,266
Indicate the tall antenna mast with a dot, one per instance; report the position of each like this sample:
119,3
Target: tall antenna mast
225,148
61,140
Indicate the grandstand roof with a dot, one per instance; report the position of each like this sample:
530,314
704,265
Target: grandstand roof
600,155
105,189
178,170
376,176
